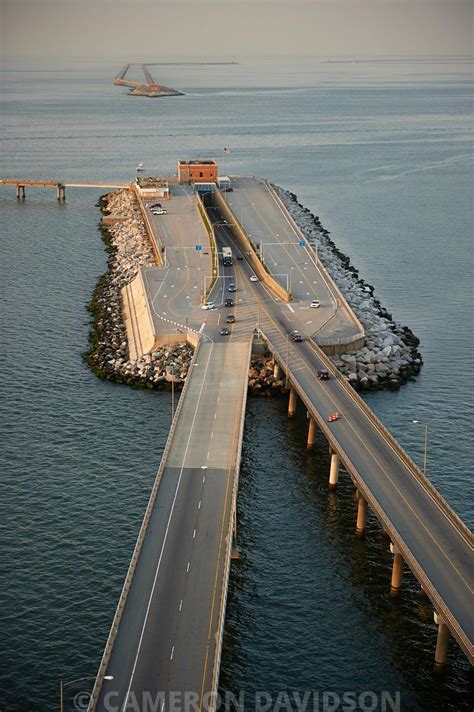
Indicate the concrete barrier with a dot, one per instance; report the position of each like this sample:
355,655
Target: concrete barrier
213,245
247,246
152,234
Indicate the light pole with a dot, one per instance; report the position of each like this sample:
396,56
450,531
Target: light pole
425,456
63,685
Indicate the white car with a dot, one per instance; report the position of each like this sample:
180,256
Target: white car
253,278
315,304
159,212
208,305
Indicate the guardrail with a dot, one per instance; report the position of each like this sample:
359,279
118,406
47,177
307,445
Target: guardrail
213,245
136,552
395,537
217,659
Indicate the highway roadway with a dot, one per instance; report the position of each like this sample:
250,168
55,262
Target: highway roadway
168,637
258,211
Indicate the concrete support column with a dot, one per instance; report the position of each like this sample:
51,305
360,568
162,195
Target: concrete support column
276,370
60,193
20,192
397,571
292,403
441,652
361,515
334,471
311,433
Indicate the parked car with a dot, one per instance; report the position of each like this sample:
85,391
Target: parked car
231,288
208,305
155,206
323,375
159,211
225,331
229,302
230,319
315,304
253,278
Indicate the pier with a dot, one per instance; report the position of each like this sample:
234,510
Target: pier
148,88
167,631
58,186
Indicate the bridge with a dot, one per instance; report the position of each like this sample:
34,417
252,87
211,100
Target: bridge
59,186
167,631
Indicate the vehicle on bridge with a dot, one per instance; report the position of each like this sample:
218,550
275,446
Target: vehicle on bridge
315,304
253,278
333,417
231,288
208,305
226,256
230,319
323,375
225,331
229,302
295,336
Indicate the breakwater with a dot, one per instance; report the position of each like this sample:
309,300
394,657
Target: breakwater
390,356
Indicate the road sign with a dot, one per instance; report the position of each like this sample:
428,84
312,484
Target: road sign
198,247
301,243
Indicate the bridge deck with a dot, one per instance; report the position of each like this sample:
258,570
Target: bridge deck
169,635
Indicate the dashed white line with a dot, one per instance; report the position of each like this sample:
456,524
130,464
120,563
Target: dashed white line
290,308
199,505
194,534
204,478
172,653
187,568
212,434
181,605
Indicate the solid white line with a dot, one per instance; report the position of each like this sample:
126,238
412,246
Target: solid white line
166,532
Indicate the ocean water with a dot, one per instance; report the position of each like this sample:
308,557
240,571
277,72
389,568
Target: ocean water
382,153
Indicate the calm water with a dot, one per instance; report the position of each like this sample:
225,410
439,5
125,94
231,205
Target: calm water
381,152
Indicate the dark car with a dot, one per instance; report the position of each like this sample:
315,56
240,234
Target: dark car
323,375
239,257
225,331
231,288
229,190
156,205
230,319
229,302
297,338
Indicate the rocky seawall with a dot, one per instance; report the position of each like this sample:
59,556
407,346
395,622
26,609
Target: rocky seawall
390,356
129,248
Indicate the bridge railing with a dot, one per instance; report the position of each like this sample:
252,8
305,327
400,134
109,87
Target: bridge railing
138,546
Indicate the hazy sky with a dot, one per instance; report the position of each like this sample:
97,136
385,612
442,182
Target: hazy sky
149,29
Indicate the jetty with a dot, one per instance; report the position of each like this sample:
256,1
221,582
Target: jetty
148,88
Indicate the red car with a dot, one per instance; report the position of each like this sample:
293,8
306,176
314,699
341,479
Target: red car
333,417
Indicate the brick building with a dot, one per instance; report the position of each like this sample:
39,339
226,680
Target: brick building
197,171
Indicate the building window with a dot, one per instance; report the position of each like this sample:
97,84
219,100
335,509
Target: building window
201,174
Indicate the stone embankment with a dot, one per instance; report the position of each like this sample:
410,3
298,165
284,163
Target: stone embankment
390,356
129,248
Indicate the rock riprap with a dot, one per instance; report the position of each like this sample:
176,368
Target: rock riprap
129,248
390,356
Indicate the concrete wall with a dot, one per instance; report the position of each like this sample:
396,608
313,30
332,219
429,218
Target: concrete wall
247,246
155,244
137,318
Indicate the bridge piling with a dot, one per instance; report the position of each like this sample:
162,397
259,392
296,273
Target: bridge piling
292,403
442,640
361,514
276,370
334,471
20,192
311,433
397,572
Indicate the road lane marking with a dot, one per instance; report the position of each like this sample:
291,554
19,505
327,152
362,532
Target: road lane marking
194,534
212,434
204,478
290,308
199,505
172,653
187,567
181,605
166,532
